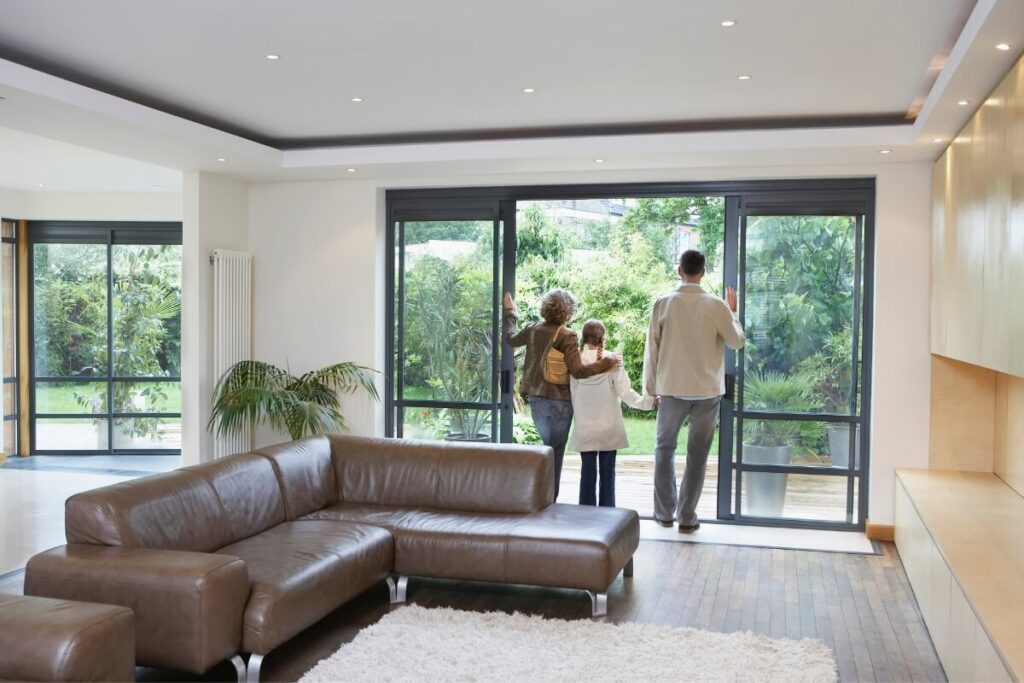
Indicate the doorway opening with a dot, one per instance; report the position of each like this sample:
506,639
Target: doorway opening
792,446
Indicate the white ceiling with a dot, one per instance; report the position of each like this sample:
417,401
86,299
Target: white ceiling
808,58
456,65
34,163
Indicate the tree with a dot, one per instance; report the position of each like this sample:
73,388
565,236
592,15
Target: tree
657,219
538,237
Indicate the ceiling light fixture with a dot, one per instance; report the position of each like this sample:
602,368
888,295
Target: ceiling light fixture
41,185
529,91
351,170
3,97
1003,46
937,140
357,99
273,57
963,103
598,161
221,159
728,23
744,77
885,151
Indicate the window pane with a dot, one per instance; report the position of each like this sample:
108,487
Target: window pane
70,282
147,397
147,310
71,397
449,309
10,436
794,496
9,391
446,425
799,309
798,442
7,229
8,284
147,433
71,434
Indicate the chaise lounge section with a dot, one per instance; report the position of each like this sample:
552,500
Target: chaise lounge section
240,554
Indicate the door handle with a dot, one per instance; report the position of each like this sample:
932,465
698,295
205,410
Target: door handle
730,387
506,381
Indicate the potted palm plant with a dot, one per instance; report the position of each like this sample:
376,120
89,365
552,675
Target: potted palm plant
252,393
771,442
830,372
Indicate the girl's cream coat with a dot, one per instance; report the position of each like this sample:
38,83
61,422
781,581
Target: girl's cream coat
597,417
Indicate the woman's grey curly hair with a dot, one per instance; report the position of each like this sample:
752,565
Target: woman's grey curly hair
558,306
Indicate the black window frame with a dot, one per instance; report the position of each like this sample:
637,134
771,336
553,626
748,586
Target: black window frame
108,233
811,196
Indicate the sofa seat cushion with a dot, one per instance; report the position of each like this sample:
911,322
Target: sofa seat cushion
572,546
303,570
386,516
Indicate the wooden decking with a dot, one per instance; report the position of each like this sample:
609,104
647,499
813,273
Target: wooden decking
807,496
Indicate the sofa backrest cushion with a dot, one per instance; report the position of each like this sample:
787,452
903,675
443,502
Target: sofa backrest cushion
305,473
177,510
248,490
499,478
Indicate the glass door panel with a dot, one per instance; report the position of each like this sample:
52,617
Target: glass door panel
446,366
798,423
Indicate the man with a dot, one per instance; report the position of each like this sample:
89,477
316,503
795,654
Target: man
684,367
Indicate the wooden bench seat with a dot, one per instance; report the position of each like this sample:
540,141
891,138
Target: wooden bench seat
961,538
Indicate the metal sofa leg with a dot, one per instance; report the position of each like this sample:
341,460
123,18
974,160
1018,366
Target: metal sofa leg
239,665
398,588
628,569
598,603
252,673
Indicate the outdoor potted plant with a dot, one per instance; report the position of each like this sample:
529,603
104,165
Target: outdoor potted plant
252,392
830,374
771,442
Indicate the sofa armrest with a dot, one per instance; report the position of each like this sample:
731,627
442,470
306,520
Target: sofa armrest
188,606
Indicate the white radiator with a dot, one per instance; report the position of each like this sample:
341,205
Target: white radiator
232,328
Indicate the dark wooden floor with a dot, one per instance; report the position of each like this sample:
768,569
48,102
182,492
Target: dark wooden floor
861,605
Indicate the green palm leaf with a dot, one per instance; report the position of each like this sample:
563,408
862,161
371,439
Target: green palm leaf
253,392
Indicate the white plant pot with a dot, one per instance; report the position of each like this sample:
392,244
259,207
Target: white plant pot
766,491
839,445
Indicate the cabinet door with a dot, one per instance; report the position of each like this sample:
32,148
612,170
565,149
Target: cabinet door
963,630
937,616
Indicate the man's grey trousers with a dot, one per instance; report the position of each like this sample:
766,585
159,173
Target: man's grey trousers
672,413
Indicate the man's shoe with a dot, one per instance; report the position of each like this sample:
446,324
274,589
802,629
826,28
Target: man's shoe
664,523
689,528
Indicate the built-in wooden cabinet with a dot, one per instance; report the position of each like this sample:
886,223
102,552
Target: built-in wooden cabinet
962,643
978,236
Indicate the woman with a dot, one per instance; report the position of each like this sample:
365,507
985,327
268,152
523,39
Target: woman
551,404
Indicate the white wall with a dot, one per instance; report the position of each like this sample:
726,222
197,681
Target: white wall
216,215
91,206
319,265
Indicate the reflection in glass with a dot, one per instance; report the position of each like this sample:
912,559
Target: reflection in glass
147,397
70,324
449,309
147,433
447,424
147,310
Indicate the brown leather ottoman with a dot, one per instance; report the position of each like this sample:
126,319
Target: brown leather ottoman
59,640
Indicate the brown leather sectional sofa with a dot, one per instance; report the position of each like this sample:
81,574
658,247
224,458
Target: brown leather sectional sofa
240,554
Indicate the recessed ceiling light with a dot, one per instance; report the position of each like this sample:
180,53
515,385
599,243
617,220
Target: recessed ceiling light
937,140
885,151
1003,47
3,97
41,185
728,23
357,99
744,77
221,159
528,91
963,103
273,57
598,161
351,170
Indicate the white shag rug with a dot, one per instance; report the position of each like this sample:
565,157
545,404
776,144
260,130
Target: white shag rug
441,644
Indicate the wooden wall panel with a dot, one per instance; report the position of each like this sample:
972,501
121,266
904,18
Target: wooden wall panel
963,406
1008,456
978,236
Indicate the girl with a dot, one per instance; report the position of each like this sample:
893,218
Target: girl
599,430
550,404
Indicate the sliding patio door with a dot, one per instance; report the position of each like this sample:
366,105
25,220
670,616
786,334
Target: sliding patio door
797,423
106,328
445,378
